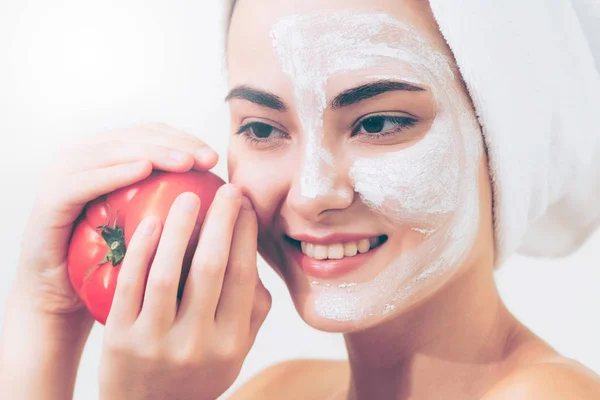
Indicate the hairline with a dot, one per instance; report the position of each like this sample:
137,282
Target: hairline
229,7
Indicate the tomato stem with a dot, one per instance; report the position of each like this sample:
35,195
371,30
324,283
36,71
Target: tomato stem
115,239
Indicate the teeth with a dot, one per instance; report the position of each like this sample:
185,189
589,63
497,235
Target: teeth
350,249
363,245
335,252
338,251
309,250
320,252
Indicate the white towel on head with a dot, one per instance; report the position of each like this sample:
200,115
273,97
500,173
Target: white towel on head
530,69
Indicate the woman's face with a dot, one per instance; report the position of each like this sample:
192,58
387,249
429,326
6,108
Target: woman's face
358,145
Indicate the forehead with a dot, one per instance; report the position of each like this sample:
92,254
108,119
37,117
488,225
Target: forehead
327,32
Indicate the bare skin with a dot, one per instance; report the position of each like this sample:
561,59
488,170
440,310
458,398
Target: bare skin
456,342
328,380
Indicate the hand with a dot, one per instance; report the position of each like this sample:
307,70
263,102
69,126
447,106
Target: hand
154,350
84,171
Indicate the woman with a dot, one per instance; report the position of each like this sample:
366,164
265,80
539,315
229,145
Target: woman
359,171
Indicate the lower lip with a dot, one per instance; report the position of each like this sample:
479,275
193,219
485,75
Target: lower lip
331,268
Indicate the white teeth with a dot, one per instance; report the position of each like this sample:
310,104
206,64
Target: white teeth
350,249
310,249
335,251
338,251
363,245
320,252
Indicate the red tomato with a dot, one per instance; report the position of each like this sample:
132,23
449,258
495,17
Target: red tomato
102,233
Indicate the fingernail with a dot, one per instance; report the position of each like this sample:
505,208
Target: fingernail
189,201
205,153
148,226
246,203
177,156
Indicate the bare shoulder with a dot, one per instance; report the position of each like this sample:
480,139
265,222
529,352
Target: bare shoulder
558,378
296,379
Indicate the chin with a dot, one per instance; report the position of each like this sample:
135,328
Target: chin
315,319
326,311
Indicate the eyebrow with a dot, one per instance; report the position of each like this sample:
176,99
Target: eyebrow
369,90
344,99
257,96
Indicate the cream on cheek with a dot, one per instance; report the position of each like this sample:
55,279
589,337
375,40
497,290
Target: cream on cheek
430,187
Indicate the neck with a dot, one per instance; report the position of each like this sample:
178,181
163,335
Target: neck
453,345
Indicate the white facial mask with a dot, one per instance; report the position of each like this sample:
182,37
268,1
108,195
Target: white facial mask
429,188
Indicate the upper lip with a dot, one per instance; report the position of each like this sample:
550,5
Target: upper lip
334,238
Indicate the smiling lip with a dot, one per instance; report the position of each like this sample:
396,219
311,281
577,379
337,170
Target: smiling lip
332,239
327,269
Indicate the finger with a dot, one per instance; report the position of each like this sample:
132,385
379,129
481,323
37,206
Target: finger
237,296
86,186
160,301
260,310
162,134
206,158
115,152
205,279
129,291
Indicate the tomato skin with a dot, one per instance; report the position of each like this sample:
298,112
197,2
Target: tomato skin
94,280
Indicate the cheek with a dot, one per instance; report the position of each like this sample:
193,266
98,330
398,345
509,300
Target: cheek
418,185
265,180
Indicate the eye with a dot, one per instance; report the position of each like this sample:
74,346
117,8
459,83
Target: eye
383,125
258,132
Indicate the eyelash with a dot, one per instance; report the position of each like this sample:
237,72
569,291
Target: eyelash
244,130
402,122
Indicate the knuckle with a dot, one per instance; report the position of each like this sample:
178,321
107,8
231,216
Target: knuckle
231,350
263,302
210,270
186,357
184,362
147,345
266,302
149,353
187,352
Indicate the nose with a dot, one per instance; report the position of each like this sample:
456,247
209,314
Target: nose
320,186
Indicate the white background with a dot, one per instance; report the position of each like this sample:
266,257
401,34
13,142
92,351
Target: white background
72,68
